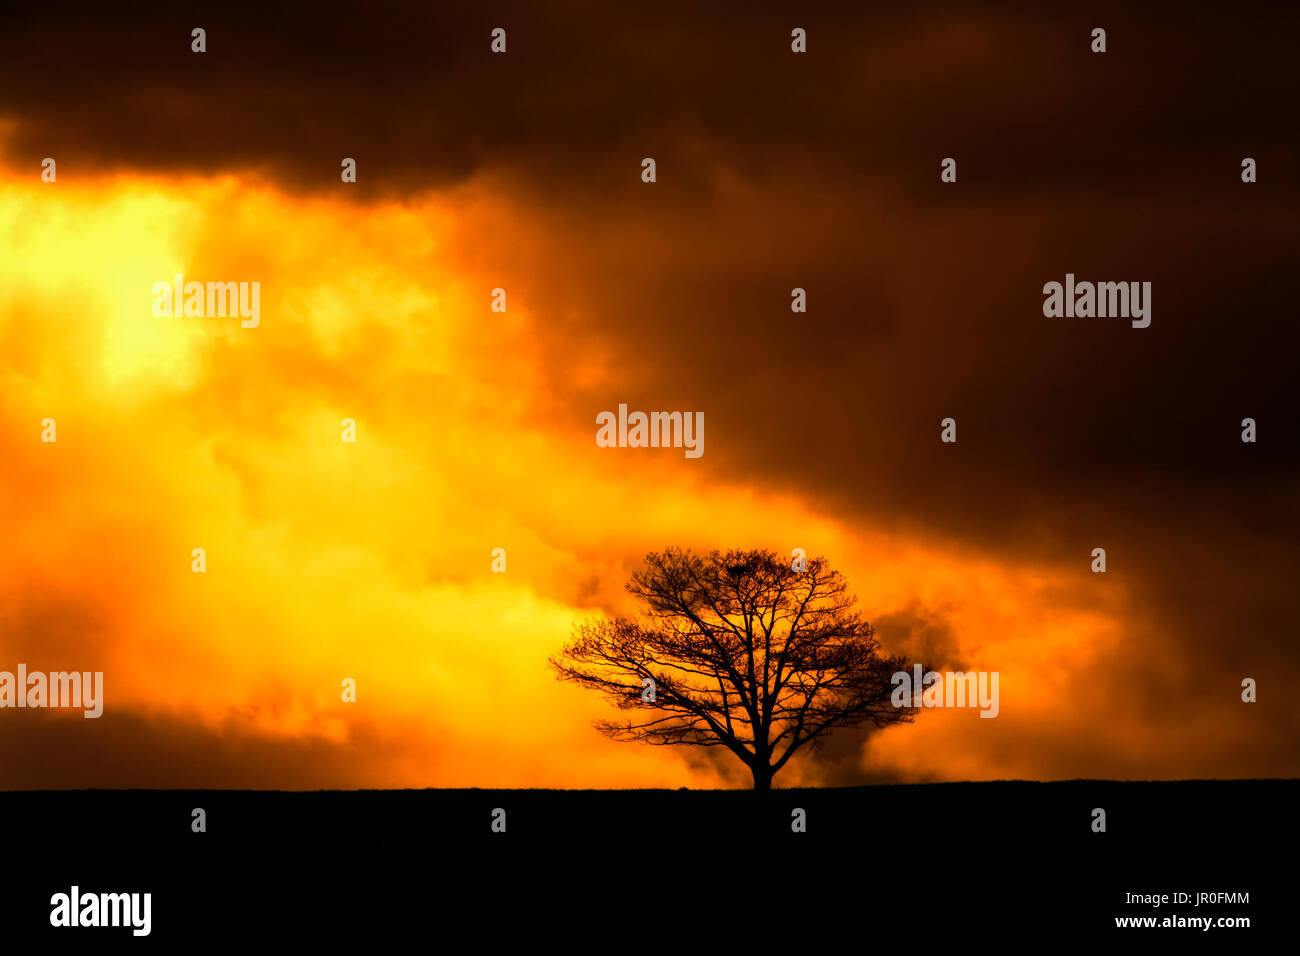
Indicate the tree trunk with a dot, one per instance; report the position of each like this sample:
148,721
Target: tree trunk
762,776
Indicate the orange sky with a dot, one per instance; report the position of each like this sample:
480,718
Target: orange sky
371,560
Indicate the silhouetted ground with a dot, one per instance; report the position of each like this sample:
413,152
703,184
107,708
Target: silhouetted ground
607,870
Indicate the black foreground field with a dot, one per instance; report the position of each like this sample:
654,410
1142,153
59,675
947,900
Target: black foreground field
692,870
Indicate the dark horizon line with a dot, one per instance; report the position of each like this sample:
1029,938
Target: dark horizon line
633,790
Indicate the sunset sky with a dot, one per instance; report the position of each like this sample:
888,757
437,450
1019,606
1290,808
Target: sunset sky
475,429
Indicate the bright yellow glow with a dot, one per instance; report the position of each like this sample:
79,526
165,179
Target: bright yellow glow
328,560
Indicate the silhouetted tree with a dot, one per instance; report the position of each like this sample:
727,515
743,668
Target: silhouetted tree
745,653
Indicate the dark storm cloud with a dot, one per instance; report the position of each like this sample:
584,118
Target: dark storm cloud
919,634
414,93
127,749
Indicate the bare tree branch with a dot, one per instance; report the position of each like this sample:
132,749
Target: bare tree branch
745,653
